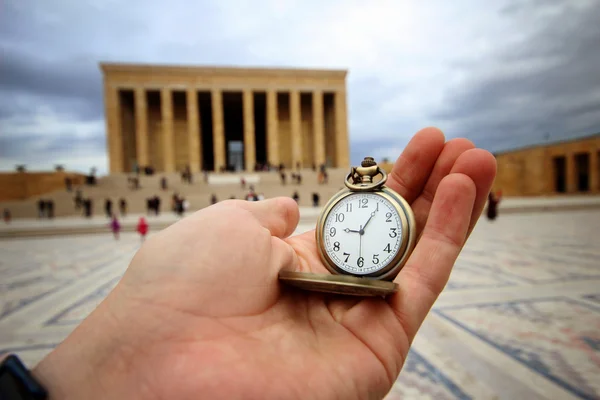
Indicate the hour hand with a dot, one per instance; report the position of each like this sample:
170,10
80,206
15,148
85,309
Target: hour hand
350,230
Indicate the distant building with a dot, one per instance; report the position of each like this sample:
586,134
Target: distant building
171,117
567,167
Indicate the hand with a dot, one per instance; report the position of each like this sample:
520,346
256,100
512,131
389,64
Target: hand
200,312
350,230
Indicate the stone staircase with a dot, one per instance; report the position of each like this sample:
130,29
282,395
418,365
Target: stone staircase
197,194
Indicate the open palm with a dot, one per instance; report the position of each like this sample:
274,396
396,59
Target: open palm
200,312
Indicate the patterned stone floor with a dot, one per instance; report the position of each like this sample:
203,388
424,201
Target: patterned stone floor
519,319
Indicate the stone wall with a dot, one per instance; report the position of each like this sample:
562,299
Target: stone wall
22,185
533,171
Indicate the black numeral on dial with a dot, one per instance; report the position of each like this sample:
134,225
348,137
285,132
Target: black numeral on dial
332,231
347,257
393,233
336,246
388,217
387,248
360,262
375,258
362,203
339,217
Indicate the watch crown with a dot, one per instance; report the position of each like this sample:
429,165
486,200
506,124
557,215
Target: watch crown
368,162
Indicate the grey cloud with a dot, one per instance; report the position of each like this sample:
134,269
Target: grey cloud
553,98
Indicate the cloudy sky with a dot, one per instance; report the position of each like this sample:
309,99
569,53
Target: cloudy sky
504,73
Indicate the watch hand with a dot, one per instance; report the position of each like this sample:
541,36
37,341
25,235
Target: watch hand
350,230
360,243
369,220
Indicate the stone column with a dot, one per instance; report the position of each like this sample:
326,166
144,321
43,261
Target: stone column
341,130
272,128
318,128
113,128
594,178
249,131
570,174
166,102
296,126
218,129
193,124
141,128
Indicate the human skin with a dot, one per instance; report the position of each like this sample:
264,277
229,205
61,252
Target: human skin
200,313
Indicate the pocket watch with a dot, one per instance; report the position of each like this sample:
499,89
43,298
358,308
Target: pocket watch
364,235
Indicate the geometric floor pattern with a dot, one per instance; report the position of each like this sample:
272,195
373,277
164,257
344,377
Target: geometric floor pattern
519,318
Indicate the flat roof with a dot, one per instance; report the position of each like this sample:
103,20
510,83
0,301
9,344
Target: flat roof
550,143
109,67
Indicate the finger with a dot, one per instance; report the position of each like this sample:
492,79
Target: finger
480,166
450,153
283,256
413,167
279,215
428,268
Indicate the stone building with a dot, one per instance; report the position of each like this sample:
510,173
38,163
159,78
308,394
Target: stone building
568,167
169,117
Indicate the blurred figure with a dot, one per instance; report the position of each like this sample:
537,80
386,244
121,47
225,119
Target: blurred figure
6,215
142,228
163,183
260,196
87,208
492,206
123,206
296,197
115,226
315,199
243,182
282,176
108,208
68,184
156,202
41,208
78,199
50,209
213,199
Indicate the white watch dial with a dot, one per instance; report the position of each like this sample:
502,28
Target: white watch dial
363,233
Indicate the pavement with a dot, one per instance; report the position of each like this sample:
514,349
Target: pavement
75,225
518,319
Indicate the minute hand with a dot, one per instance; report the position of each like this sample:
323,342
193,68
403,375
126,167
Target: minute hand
369,220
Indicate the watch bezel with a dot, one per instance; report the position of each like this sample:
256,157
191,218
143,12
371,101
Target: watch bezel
407,243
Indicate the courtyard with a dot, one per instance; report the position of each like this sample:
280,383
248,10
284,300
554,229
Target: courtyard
519,318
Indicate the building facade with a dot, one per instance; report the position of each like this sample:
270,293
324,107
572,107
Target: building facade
209,118
570,167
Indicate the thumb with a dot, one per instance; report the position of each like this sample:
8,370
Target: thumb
279,215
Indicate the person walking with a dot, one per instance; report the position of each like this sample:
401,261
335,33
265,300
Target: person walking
87,208
315,199
41,208
50,209
492,207
7,216
108,208
123,206
142,228
115,226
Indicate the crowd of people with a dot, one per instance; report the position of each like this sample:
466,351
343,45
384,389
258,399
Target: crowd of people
179,205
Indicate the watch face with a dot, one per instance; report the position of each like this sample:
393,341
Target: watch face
362,233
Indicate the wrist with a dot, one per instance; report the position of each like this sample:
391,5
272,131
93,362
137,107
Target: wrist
88,364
